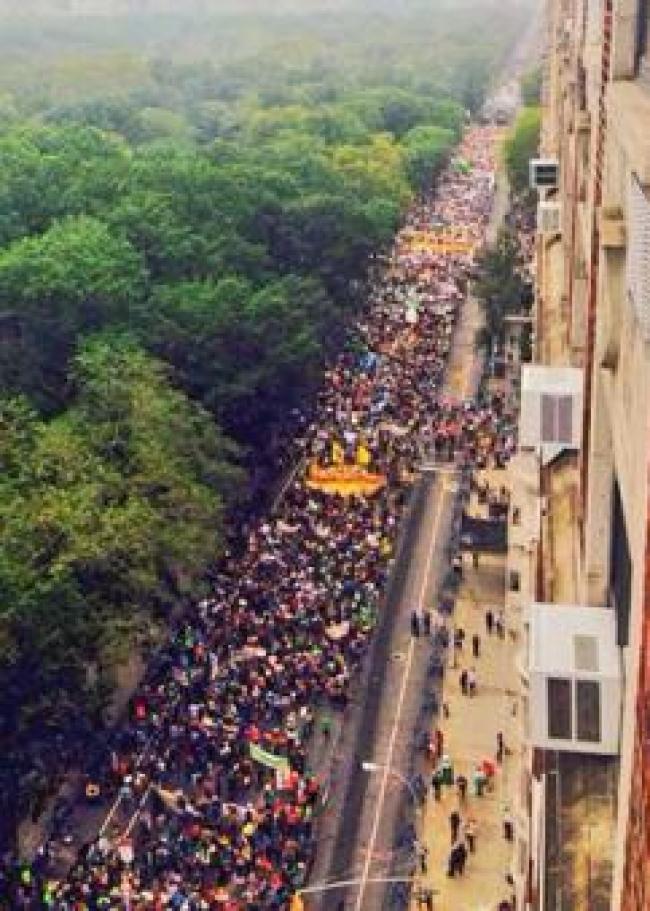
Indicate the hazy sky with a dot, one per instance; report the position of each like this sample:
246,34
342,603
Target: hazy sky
23,7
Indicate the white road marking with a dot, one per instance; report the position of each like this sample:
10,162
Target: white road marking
363,882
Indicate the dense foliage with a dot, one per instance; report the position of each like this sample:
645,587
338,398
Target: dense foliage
502,289
183,237
521,146
531,87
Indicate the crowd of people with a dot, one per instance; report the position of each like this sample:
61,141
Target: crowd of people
213,768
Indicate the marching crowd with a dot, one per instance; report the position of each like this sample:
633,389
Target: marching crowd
213,765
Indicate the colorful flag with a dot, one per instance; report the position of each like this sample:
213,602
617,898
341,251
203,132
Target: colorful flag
338,453
363,456
270,760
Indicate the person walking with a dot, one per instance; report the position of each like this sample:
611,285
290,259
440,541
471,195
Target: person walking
500,747
489,621
470,834
454,825
436,785
461,857
464,680
423,854
508,826
415,625
426,622
461,785
476,645
500,624
451,863
440,742
471,682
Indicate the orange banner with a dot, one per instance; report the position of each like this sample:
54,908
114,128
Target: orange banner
346,480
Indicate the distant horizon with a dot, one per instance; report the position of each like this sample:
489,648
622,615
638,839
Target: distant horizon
146,7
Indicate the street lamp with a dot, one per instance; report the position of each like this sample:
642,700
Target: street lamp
372,767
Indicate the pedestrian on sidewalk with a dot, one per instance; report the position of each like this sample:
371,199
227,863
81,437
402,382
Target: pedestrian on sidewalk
464,680
479,782
489,621
471,682
459,638
436,784
475,559
454,825
476,645
423,854
415,625
461,857
500,747
440,742
428,899
470,834
508,826
501,626
461,785
426,622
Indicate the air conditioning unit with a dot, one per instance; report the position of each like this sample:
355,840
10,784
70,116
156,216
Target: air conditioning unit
574,678
544,173
551,407
549,218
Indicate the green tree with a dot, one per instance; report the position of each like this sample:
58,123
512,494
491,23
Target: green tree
74,278
427,150
500,287
521,146
531,87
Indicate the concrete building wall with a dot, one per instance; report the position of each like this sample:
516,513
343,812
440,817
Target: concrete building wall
597,120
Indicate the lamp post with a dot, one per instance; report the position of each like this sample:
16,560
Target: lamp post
372,767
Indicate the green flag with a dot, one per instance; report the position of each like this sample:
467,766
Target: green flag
270,760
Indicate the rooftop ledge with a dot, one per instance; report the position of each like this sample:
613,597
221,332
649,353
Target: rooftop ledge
628,107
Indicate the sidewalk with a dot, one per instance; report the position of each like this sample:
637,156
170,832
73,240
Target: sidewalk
470,735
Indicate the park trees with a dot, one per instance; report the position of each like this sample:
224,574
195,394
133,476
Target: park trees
185,228
500,287
522,145
74,278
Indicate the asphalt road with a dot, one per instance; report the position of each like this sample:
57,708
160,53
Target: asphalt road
361,836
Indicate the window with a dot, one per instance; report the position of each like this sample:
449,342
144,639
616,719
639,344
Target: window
557,419
638,253
620,572
514,581
560,714
588,710
642,35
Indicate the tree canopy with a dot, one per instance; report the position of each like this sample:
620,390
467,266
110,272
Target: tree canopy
521,145
187,209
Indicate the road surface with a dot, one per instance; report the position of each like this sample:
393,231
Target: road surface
359,837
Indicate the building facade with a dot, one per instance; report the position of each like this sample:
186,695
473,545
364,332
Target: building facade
593,312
